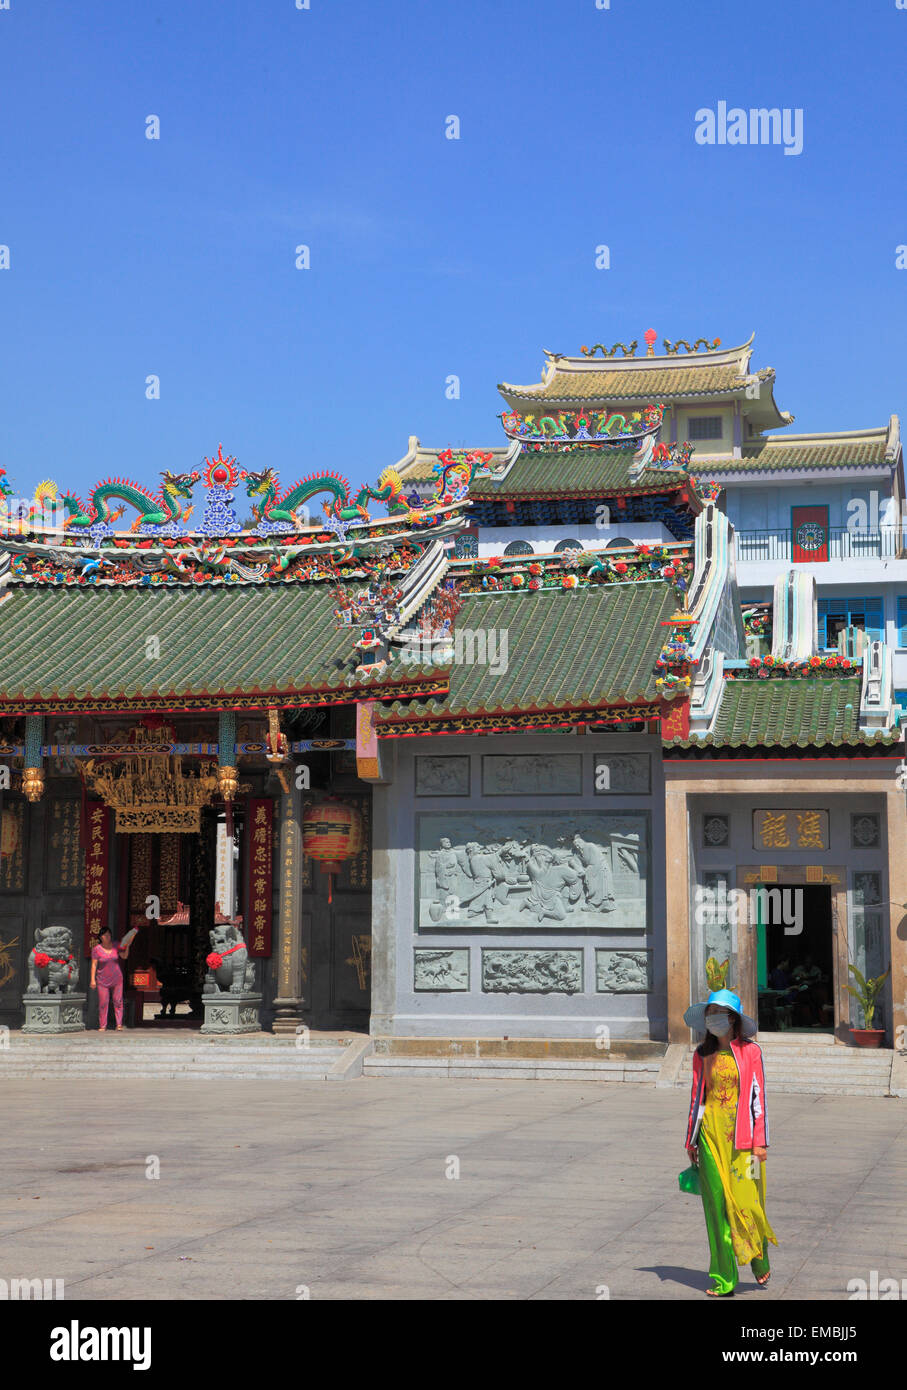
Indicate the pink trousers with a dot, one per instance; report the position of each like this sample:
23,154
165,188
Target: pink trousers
104,992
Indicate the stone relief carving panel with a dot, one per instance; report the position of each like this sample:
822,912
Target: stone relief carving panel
573,870
445,970
623,972
442,776
532,774
532,972
630,773
865,830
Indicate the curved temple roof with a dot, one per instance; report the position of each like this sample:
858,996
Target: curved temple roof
672,377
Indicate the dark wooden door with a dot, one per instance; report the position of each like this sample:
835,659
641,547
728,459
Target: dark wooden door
41,875
337,936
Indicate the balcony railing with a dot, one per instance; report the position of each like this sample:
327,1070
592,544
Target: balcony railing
887,543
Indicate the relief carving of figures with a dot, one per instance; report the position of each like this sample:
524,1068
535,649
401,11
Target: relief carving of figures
442,776
556,883
584,870
597,873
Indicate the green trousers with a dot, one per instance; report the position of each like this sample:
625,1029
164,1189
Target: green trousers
722,1261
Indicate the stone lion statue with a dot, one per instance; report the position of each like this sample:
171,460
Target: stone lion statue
52,964
229,969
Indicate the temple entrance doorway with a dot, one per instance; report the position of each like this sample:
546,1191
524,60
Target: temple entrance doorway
792,949
796,971
169,891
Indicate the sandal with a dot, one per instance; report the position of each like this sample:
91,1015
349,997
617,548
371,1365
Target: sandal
715,1293
764,1280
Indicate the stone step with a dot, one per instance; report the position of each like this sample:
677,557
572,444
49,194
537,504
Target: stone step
514,1068
841,1056
819,1088
205,1073
779,1064
323,1057
831,1075
72,1046
262,1057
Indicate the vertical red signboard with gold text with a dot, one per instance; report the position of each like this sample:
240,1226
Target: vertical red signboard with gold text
97,870
259,819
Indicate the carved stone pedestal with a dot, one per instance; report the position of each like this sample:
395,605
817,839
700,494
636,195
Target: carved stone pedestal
54,1013
231,1013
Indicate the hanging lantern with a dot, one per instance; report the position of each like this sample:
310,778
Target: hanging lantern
331,834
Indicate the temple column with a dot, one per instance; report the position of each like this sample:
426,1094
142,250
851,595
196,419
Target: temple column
33,776
896,816
385,866
289,1003
677,867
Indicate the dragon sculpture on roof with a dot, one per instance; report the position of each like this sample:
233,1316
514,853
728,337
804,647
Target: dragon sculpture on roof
161,514
277,512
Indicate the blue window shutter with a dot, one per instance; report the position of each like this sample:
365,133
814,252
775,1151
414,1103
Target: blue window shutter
873,609
902,622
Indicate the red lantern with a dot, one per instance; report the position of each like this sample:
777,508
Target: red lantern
331,833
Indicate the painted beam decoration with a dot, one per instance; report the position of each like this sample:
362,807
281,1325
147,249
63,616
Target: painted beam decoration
570,428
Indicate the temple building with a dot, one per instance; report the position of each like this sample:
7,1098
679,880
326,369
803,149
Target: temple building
504,762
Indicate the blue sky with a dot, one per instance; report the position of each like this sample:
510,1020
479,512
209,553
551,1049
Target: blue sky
429,256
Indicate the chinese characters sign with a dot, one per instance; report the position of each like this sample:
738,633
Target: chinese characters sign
260,836
790,829
97,827
12,852
64,856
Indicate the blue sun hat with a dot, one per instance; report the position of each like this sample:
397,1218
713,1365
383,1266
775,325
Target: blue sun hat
695,1015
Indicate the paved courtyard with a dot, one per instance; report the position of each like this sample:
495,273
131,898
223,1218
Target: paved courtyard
268,1189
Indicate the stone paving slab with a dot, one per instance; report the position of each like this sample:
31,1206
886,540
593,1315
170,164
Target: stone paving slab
564,1188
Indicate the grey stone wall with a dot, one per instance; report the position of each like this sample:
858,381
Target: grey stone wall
515,897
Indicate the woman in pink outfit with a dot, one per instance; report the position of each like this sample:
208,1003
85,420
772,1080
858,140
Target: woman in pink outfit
107,976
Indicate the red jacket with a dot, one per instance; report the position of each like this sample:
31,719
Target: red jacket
751,1125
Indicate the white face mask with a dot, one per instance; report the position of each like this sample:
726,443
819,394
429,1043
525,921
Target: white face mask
719,1024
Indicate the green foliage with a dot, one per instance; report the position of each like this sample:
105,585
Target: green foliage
866,992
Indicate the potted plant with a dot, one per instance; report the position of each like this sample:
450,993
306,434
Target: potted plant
865,994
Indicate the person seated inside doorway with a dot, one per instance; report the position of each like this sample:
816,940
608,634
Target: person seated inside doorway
811,993
780,979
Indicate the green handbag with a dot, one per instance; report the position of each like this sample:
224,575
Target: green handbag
688,1180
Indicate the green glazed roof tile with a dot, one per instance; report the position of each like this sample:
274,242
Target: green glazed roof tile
654,384
160,643
775,456
581,472
564,650
787,712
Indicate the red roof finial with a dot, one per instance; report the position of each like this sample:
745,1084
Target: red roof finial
650,335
